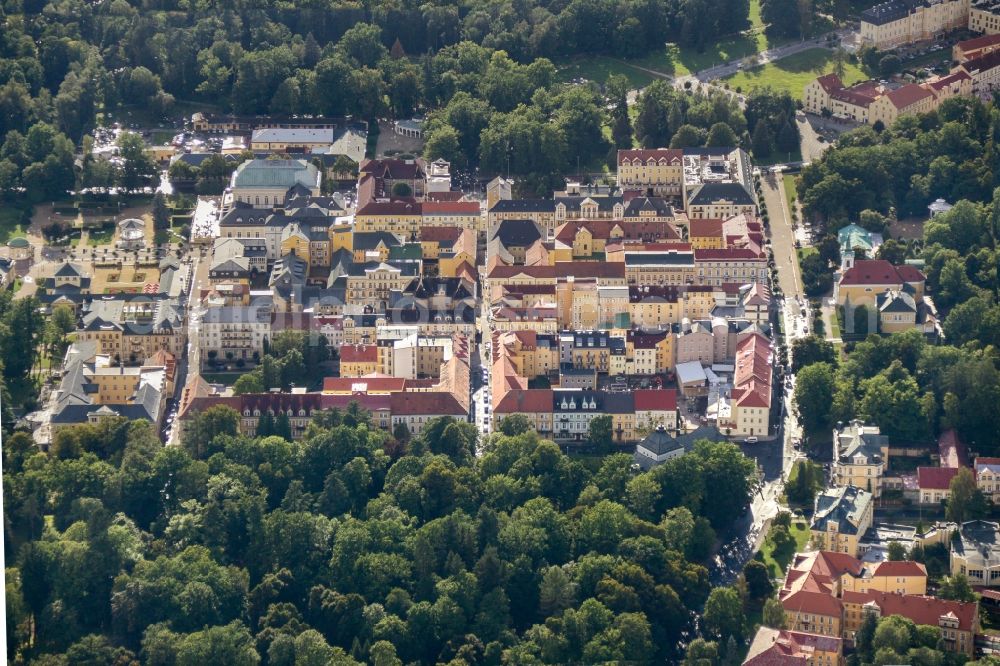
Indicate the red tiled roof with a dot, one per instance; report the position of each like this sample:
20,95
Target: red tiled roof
394,207
440,234
732,253
921,609
909,273
450,195
451,208
431,403
706,228
358,353
977,43
908,95
655,400
669,154
879,272
945,81
812,603
935,478
900,568
856,96
830,82
579,269
528,401
772,647
983,63
631,230
377,384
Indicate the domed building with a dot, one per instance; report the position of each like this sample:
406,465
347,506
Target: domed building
131,234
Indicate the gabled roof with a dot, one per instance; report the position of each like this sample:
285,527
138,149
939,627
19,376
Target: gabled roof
525,401
908,95
895,568
358,353
919,608
709,193
655,400
670,155
830,82
879,272
516,233
779,647
70,269
935,478
451,207
705,228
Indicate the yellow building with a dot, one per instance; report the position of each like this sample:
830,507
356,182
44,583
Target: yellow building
896,23
841,518
828,92
865,280
399,217
295,240
905,100
659,265
659,171
957,621
897,577
984,71
861,457
780,646
358,360
461,214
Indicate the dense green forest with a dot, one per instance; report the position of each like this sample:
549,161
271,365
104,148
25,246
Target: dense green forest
910,388
352,545
482,72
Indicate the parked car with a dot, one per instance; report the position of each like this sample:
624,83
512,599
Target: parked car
750,440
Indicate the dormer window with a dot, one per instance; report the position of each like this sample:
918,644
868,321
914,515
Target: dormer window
256,412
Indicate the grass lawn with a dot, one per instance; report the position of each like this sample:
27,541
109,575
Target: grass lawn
102,236
791,193
777,562
599,68
672,59
227,378
791,74
804,252
10,224
161,137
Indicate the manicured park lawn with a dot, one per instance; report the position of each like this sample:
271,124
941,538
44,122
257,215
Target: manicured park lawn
791,74
671,60
599,68
10,224
777,562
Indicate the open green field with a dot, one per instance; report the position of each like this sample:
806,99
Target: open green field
777,561
599,68
791,74
671,60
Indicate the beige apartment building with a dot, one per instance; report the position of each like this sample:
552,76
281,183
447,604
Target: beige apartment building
984,17
659,171
895,23
860,457
841,517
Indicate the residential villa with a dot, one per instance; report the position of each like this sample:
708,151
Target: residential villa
860,457
840,518
975,552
